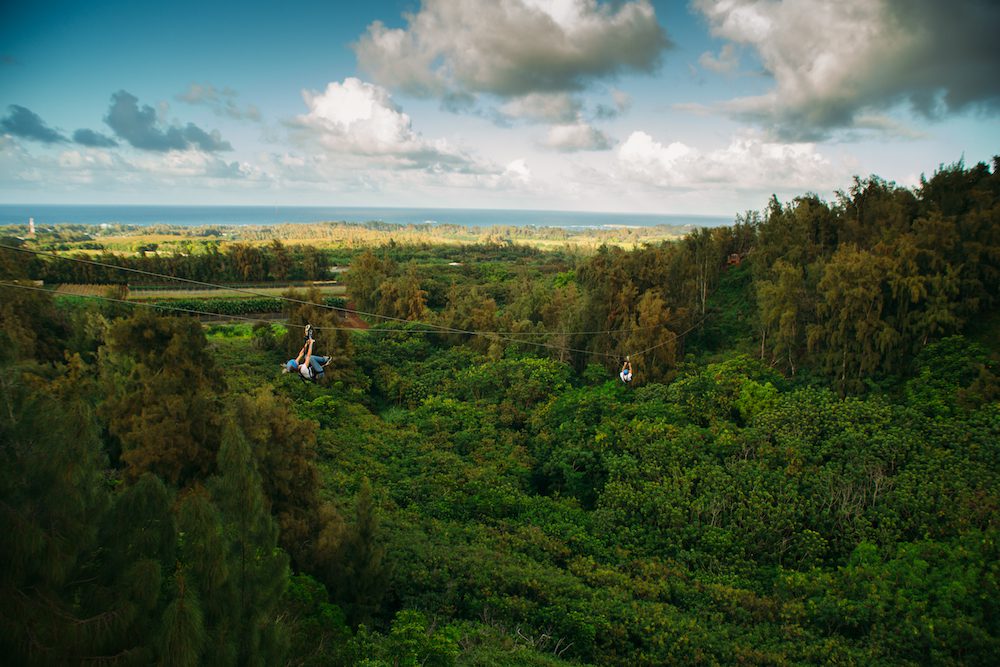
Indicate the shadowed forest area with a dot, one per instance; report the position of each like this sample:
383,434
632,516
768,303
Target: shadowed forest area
805,470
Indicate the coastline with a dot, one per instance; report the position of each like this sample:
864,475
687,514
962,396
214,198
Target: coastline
201,216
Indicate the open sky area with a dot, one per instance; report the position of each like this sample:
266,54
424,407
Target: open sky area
704,107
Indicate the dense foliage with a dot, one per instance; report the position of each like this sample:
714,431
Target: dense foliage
807,469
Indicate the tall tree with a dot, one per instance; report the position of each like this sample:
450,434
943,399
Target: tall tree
258,568
360,578
653,337
364,279
51,502
785,313
281,261
284,450
130,573
162,404
854,336
402,296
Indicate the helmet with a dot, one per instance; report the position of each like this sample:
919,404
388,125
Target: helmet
292,365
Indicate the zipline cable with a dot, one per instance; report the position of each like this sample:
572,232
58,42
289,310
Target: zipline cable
161,306
251,319
240,290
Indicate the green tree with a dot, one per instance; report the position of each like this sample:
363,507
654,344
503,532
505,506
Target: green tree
258,569
280,264
161,396
854,337
359,578
249,262
365,278
130,573
51,503
562,314
786,311
184,635
652,338
283,446
402,296
30,325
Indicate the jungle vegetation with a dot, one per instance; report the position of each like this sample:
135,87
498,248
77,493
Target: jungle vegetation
805,470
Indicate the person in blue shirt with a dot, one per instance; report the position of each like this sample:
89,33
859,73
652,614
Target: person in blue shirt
310,366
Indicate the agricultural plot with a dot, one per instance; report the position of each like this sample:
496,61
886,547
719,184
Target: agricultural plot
117,291
140,294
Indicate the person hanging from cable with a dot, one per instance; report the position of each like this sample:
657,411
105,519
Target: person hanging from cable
626,374
310,366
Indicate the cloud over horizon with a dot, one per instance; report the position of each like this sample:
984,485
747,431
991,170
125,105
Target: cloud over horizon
835,62
142,129
511,49
749,163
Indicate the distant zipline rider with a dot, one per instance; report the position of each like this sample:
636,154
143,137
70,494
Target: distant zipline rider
626,374
313,367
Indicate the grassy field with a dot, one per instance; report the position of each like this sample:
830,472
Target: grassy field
139,294
166,239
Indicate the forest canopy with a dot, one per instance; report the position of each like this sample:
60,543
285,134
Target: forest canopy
806,468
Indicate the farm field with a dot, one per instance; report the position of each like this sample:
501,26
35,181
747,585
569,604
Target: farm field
140,294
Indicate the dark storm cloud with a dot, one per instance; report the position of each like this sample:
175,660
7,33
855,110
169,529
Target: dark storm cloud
140,128
26,124
836,64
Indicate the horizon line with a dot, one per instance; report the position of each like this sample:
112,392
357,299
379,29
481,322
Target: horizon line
371,207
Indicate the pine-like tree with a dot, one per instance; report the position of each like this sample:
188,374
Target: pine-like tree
51,500
161,390
184,634
284,448
258,569
361,580
130,572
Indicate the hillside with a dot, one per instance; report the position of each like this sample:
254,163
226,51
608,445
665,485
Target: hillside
805,470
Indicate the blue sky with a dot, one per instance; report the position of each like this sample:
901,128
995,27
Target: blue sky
702,107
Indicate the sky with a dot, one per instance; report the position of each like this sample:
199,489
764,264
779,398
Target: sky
702,107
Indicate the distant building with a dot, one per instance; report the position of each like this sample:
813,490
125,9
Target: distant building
31,226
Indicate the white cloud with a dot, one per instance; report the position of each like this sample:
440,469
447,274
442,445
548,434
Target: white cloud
517,171
360,119
356,116
748,163
85,159
579,136
833,60
193,165
458,49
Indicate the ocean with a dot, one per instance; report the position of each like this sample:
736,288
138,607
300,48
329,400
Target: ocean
194,216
